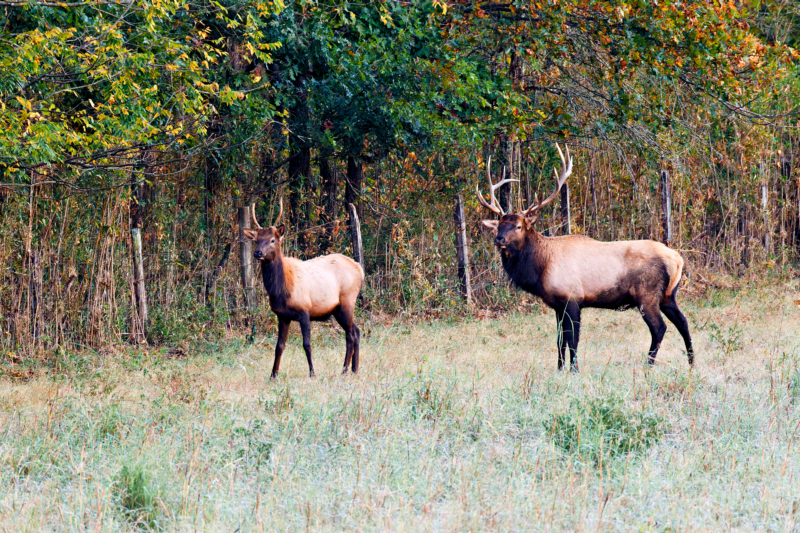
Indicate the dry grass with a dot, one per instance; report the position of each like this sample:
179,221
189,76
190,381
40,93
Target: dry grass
445,429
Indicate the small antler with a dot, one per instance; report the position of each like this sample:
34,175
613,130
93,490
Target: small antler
494,206
253,216
280,213
566,170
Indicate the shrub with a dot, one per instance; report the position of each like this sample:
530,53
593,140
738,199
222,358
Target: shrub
603,427
137,497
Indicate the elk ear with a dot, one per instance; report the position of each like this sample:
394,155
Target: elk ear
491,224
531,220
281,230
250,234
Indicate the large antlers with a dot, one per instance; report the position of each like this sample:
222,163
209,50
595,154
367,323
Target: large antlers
253,214
494,206
566,170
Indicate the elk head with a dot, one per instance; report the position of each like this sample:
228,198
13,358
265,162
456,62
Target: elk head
268,240
512,228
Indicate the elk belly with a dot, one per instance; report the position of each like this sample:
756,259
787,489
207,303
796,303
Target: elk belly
320,290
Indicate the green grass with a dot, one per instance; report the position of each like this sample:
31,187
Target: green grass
461,425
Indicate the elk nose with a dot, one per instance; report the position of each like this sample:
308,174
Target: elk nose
258,254
500,241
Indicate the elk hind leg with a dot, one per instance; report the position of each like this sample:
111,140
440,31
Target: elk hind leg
673,313
652,317
356,346
283,333
305,327
345,319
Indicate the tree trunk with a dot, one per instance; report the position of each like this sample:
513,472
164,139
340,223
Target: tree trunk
506,172
211,286
245,258
462,250
666,208
299,176
566,220
35,288
355,234
355,179
329,189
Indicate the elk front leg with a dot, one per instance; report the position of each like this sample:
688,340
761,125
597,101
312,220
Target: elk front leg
572,331
283,333
305,328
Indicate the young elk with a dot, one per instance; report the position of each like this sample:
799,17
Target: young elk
307,290
572,272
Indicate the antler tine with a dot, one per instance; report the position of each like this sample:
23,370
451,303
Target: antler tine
566,170
253,215
494,206
280,213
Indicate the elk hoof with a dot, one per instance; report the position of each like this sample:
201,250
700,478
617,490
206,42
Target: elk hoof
274,376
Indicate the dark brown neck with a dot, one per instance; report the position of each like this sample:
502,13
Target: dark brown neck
525,267
274,278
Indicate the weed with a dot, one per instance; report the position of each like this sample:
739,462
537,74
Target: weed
674,385
729,340
111,423
282,404
603,427
137,497
250,444
430,401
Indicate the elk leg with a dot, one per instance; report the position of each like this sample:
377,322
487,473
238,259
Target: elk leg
559,327
652,317
673,313
572,332
305,327
346,321
356,346
283,333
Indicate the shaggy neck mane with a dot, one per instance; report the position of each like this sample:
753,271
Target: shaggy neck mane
275,280
526,267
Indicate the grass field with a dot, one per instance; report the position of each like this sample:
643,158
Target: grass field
459,425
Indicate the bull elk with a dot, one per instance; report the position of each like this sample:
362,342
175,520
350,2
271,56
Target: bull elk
572,272
307,291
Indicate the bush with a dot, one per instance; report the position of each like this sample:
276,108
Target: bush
603,428
137,497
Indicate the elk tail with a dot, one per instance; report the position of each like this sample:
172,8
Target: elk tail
675,271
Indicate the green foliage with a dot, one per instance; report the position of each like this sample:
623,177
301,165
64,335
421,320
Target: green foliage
602,428
137,497
251,444
431,400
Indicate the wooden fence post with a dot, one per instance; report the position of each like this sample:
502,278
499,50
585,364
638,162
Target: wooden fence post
765,210
666,208
245,257
462,249
566,222
140,319
355,234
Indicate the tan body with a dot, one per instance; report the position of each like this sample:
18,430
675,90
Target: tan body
580,268
322,284
572,272
306,291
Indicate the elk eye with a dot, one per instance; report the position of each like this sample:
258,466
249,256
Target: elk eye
273,240
519,227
